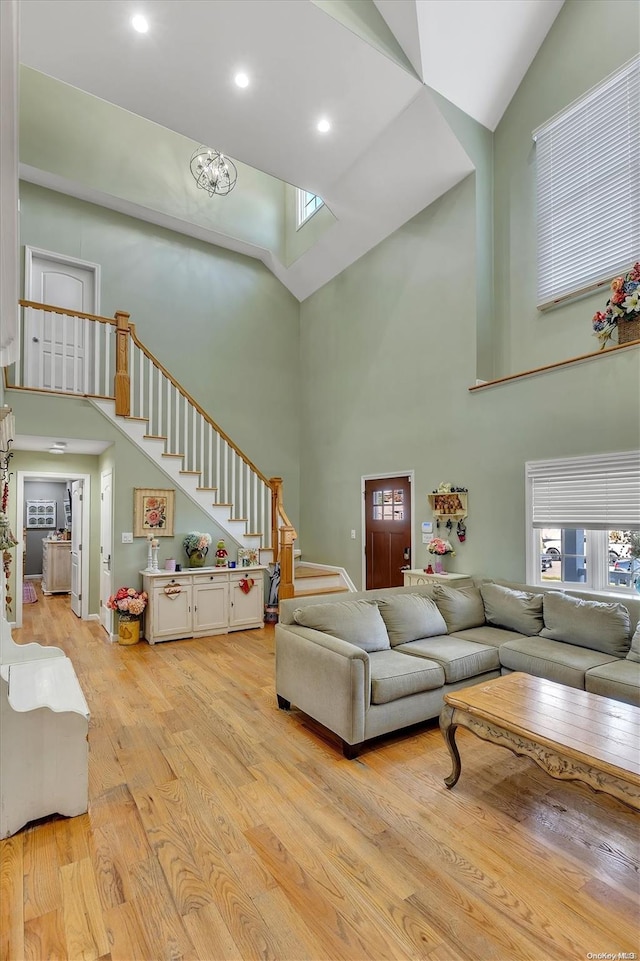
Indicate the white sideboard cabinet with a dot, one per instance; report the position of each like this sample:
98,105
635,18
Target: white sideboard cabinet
56,567
202,601
413,577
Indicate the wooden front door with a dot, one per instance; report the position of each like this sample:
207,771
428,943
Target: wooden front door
387,503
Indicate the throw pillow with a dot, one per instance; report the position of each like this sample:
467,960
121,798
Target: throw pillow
517,610
461,607
592,624
411,616
634,650
358,622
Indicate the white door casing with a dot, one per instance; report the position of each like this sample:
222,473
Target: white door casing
54,345
77,546
106,547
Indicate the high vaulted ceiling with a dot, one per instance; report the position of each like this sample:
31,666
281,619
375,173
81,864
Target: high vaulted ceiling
369,66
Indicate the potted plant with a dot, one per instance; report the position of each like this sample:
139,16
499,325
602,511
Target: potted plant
196,547
129,605
622,312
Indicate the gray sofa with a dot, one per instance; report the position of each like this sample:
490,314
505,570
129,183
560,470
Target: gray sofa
382,660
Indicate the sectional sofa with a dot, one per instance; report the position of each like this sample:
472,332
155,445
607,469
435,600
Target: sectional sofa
382,660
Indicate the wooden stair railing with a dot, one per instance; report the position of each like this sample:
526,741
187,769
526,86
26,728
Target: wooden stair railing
99,364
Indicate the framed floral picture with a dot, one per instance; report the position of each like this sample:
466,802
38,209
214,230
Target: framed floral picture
153,512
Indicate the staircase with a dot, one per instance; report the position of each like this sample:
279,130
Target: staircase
103,360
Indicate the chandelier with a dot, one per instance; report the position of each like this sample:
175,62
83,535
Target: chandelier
212,171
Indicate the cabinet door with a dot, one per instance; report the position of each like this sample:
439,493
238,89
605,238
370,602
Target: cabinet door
171,614
246,610
210,608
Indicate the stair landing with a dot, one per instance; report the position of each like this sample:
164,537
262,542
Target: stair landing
310,580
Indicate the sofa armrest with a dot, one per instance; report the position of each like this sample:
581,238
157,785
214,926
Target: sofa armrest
326,677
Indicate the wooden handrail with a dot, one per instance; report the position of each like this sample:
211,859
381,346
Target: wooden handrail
68,313
195,404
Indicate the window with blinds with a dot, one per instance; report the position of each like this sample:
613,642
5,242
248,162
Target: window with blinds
583,521
588,189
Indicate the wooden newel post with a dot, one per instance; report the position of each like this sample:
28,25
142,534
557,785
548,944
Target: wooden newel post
287,538
276,503
121,385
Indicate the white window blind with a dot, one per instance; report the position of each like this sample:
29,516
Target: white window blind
588,188
599,492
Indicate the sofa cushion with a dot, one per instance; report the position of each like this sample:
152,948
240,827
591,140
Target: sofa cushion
516,610
557,661
395,675
634,650
620,680
601,627
410,616
358,622
493,636
461,607
459,659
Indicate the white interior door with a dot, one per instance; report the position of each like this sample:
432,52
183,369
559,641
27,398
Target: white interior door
106,545
77,487
55,348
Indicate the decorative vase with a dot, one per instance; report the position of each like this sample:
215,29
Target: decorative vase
197,558
128,629
439,563
629,330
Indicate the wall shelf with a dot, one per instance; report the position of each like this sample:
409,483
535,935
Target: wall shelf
453,504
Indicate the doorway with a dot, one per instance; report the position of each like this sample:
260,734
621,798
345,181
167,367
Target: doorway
79,530
388,529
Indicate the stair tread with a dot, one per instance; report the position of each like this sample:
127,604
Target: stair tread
321,590
313,572
206,490
154,437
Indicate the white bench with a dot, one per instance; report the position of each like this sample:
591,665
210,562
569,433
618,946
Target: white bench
44,723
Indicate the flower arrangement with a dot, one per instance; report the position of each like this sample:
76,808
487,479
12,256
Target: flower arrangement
196,542
623,305
127,600
437,546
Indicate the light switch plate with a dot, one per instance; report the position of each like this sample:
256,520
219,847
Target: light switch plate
127,537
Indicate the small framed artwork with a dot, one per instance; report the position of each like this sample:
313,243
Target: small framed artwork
248,556
153,512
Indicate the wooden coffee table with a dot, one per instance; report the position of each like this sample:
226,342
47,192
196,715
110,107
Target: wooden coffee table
572,735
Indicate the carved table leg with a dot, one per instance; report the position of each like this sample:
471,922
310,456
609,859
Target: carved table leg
448,729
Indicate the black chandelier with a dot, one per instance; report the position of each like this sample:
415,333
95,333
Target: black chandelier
212,171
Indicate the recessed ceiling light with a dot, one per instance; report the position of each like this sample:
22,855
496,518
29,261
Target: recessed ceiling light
324,126
242,80
140,23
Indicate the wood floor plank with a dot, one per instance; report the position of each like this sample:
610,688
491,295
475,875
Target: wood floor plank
11,902
82,917
223,829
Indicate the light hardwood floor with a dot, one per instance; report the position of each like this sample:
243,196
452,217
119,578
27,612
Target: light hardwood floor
221,828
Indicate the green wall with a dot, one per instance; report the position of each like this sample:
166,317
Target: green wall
388,348
589,40
220,322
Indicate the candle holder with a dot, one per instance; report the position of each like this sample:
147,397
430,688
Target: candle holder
152,556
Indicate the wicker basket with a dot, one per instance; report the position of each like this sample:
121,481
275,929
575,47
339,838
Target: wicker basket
629,330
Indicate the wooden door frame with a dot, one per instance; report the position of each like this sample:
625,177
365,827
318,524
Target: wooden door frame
86,532
382,475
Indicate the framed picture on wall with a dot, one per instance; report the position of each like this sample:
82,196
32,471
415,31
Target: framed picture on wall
153,512
41,514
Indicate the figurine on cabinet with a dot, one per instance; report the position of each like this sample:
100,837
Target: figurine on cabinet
221,554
